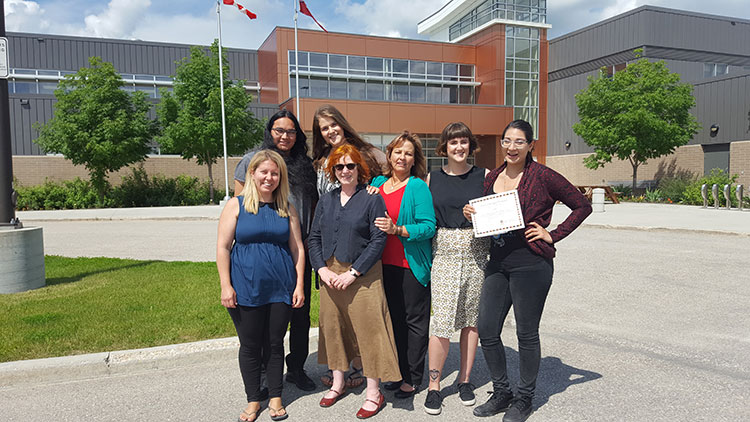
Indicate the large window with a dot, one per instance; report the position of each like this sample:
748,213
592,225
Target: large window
31,81
522,73
512,10
338,76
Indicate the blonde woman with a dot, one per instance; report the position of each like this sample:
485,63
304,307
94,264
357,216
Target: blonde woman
261,262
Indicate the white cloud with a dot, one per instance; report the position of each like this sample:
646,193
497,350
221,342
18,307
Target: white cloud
391,18
119,20
23,14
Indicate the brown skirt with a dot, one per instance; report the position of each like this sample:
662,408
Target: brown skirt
356,322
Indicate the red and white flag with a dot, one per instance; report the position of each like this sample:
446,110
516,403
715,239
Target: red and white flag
305,11
241,8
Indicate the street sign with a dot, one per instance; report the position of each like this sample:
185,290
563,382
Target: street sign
4,69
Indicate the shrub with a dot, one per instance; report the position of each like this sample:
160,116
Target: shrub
673,187
69,194
655,195
626,191
136,190
692,194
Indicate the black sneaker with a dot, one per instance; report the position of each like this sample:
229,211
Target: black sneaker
433,404
466,393
499,402
519,411
301,380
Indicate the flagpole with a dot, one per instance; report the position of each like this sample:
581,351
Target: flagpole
296,59
223,118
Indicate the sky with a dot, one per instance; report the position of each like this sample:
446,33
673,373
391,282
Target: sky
195,22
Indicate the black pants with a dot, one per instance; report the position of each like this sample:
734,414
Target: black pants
520,278
409,304
299,329
261,327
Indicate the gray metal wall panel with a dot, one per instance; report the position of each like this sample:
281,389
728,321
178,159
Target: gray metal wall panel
563,113
654,26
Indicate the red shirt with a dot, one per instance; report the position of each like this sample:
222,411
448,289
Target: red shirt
394,249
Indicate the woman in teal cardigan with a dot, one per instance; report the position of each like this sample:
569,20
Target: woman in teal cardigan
407,258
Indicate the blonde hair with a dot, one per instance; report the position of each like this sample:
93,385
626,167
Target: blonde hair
280,194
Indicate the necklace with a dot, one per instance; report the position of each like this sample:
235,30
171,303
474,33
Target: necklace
395,185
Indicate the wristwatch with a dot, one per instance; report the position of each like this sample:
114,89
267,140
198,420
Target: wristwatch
353,272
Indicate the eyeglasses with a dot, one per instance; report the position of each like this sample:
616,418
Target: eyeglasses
280,132
517,142
349,166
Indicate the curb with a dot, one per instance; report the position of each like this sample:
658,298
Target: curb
103,364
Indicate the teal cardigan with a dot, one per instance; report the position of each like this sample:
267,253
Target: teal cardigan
417,215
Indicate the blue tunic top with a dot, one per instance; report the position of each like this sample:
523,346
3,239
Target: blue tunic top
262,267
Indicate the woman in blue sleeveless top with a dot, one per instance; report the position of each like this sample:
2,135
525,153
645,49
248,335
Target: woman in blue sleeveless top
260,258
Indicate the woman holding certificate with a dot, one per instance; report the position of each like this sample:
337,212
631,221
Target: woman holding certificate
520,269
407,258
458,263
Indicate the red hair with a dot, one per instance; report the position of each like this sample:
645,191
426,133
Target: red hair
363,173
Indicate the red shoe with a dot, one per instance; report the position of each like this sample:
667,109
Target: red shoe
324,402
364,414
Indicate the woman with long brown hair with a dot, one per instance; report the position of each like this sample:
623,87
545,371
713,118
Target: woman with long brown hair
331,130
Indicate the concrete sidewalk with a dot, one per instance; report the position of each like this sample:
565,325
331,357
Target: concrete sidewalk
643,339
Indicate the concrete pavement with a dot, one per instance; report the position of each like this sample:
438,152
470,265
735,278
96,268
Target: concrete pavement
646,322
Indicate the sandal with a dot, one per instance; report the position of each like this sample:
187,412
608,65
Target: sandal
354,379
277,416
251,417
327,379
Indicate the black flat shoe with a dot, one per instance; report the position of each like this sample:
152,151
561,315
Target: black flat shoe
301,380
401,394
393,385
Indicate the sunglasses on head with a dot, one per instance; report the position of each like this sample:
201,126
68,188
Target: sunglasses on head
349,166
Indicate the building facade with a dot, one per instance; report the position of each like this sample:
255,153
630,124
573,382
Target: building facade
710,52
485,65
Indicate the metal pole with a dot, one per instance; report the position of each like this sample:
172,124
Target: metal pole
7,200
223,118
296,59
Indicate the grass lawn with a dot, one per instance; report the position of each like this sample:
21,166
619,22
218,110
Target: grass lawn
103,304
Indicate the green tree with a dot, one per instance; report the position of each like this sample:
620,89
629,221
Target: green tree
191,116
97,124
640,113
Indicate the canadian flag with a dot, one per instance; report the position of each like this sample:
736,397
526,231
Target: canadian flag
241,8
305,11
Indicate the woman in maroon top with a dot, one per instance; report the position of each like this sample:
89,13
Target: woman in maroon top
520,269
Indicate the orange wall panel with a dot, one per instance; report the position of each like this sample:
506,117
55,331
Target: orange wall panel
418,118
425,51
448,114
455,53
385,47
345,44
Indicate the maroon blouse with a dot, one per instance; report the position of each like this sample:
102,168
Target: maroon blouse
539,188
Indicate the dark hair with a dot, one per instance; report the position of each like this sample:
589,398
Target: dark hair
300,142
363,175
453,131
321,148
302,177
527,130
419,169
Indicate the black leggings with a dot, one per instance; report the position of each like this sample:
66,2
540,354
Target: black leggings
258,327
409,305
518,277
299,327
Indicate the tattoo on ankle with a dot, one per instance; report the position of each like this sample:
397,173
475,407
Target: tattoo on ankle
434,374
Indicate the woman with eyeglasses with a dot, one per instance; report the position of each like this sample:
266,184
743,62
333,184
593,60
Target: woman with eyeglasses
519,272
331,130
345,249
284,135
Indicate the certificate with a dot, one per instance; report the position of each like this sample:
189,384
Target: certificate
495,214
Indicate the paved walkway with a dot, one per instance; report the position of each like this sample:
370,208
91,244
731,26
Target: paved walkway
635,328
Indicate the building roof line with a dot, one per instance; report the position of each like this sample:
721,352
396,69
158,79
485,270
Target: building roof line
648,8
